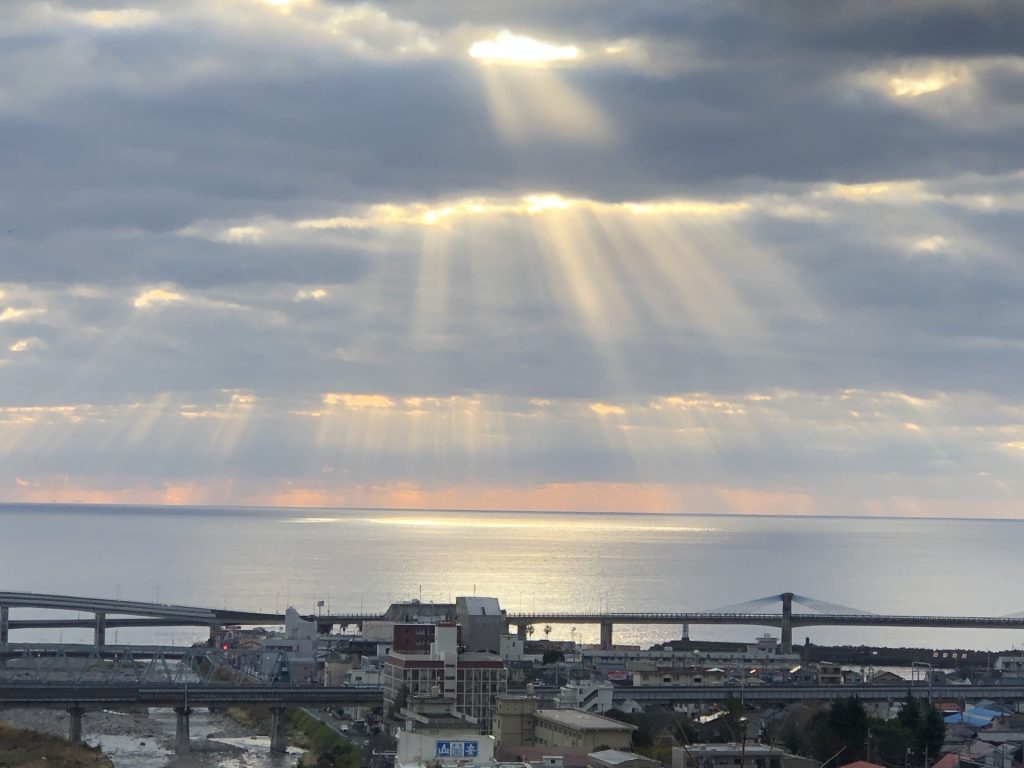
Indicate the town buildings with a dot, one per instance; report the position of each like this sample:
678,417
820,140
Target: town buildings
733,755
520,722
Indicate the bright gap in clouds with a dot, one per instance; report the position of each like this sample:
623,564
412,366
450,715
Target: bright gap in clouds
508,48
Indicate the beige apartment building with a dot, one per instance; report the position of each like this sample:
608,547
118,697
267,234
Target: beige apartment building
520,723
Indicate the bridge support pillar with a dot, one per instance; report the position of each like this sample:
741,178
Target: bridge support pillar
606,635
521,631
75,724
5,624
279,730
324,627
99,635
181,734
787,622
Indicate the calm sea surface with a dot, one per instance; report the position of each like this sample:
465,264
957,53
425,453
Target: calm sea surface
266,559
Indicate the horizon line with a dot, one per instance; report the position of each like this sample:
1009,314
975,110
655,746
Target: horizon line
468,510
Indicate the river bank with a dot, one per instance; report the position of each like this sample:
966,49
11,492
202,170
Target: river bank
145,738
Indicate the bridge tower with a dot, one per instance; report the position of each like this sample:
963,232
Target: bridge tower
787,622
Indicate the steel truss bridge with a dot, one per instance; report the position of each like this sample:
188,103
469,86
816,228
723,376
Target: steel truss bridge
82,677
770,611
203,695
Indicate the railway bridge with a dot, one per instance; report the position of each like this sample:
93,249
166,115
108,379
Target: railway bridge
78,698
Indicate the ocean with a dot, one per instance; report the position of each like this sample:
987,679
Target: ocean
360,559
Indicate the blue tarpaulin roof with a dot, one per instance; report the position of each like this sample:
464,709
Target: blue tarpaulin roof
973,716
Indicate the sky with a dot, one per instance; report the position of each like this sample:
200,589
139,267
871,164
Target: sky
716,256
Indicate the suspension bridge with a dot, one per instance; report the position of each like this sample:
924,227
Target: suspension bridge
770,611
758,613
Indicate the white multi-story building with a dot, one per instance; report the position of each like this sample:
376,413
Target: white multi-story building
586,696
435,733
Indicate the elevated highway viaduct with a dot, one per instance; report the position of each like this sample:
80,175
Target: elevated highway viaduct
123,613
108,613
785,621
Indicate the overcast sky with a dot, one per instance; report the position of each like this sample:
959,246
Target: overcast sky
658,255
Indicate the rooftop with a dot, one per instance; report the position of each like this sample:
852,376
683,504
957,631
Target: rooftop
615,756
481,606
580,720
733,748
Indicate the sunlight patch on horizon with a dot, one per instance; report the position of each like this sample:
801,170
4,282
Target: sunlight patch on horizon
480,521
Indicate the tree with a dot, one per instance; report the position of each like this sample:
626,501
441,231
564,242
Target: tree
685,730
842,730
400,702
931,733
734,718
910,713
889,742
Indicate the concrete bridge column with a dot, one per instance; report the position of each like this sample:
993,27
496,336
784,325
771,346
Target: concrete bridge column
278,730
787,622
521,631
5,624
324,627
75,724
99,635
181,735
606,635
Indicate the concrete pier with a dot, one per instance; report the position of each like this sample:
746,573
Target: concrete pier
278,730
181,734
99,636
521,630
75,724
787,622
606,635
5,624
